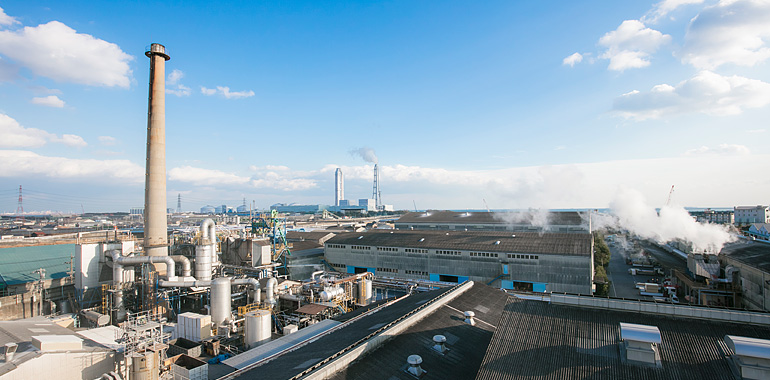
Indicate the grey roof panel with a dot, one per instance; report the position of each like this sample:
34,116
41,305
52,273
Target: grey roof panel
453,217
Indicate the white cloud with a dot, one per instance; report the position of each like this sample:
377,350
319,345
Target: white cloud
5,19
16,136
760,130
56,51
70,140
721,150
49,101
278,178
225,91
707,92
665,7
208,177
8,71
572,60
107,140
20,163
174,76
732,31
630,45
180,90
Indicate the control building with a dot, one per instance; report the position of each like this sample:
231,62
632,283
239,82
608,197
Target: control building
536,262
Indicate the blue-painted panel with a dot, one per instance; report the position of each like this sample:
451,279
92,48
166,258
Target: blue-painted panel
538,287
507,284
371,270
461,279
433,276
351,269
437,277
505,268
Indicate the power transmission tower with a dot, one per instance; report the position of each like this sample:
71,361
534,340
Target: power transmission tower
20,208
179,203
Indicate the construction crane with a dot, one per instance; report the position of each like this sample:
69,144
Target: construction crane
486,205
670,193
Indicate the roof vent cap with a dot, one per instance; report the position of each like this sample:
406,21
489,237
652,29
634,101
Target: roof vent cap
497,242
439,343
414,366
469,318
422,239
360,237
513,236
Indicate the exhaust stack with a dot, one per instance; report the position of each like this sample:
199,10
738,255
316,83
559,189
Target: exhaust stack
155,223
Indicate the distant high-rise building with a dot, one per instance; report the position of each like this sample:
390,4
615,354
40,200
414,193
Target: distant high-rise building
339,187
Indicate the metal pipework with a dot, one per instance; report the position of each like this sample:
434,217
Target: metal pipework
119,261
186,270
209,235
257,292
272,283
184,284
155,223
205,253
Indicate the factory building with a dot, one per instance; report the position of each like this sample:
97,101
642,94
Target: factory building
525,261
555,221
751,214
714,216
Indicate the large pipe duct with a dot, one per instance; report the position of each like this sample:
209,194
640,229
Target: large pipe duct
186,270
119,261
254,283
155,223
272,284
205,253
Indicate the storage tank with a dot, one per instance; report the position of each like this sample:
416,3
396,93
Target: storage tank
331,293
259,327
364,292
144,366
220,300
203,262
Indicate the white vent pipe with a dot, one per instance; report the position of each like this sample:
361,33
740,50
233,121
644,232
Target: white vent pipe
272,283
469,318
209,237
439,343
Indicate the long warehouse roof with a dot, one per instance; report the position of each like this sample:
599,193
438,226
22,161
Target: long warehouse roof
526,242
572,218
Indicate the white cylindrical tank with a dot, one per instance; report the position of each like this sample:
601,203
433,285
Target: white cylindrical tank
259,326
203,262
144,366
97,318
331,293
368,287
364,292
220,300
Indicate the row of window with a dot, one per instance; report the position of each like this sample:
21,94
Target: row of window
388,270
485,254
453,253
337,265
415,250
359,247
417,272
525,257
341,246
387,249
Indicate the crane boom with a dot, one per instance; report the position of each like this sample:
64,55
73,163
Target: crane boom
670,193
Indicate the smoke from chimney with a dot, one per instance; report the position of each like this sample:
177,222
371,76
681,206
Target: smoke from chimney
366,153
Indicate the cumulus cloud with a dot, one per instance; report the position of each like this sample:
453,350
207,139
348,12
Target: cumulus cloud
177,88
707,92
8,71
16,136
630,45
49,101
20,163
56,51
264,178
665,7
721,150
5,19
731,31
225,91
107,140
572,60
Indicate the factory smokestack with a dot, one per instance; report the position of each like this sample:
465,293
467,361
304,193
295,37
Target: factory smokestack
376,188
155,223
339,187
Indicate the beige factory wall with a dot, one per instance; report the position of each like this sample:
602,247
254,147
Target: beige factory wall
64,365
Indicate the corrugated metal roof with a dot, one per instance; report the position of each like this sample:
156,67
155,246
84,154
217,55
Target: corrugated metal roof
756,255
525,242
17,264
453,217
539,340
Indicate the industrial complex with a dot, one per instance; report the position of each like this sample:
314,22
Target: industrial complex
353,291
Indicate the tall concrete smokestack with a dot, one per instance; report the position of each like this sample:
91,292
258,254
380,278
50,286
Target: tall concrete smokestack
339,187
155,224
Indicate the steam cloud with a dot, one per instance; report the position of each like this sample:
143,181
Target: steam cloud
630,211
366,153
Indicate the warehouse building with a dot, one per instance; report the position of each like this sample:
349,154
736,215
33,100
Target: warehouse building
551,221
552,262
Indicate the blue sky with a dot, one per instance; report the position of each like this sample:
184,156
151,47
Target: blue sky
546,104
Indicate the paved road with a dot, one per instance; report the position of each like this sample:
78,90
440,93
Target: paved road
622,283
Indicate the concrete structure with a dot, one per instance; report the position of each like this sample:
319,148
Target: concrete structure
752,214
527,261
712,216
749,265
303,209
565,221
368,204
155,223
339,187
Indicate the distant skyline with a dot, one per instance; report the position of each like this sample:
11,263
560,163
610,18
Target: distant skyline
547,104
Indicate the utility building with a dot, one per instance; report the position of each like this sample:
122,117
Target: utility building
549,262
551,221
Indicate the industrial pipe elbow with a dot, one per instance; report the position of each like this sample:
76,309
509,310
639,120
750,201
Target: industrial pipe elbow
186,271
208,231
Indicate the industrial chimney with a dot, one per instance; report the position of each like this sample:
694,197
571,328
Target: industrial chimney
339,187
155,223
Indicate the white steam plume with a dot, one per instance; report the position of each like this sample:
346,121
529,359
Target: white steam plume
539,217
366,153
629,210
